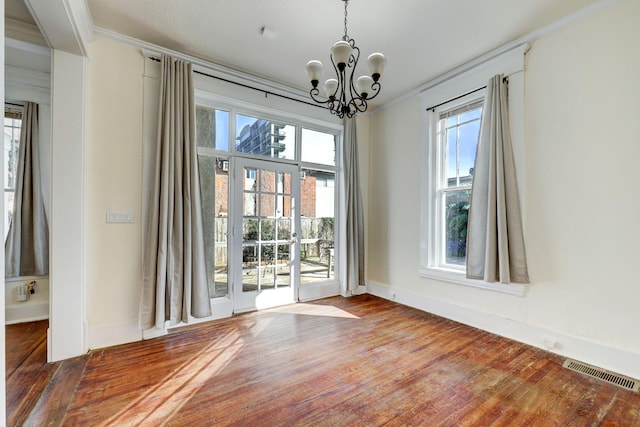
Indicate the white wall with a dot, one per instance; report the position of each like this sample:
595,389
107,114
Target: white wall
36,308
113,182
582,200
67,324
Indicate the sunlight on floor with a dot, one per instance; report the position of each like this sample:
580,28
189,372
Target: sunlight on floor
180,386
314,310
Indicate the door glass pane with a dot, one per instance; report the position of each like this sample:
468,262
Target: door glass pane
284,206
284,277
284,229
250,179
249,204
267,205
267,229
267,233
249,267
317,235
214,190
267,181
266,138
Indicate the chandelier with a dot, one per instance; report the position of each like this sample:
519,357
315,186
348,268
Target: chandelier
344,96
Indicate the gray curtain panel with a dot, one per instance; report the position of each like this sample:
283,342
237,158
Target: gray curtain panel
495,242
174,272
355,216
27,245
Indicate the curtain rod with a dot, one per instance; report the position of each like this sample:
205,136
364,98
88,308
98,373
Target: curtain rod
504,80
266,92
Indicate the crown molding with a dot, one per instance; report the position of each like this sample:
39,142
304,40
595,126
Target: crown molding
207,66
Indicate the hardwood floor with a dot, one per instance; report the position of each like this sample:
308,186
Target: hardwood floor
336,362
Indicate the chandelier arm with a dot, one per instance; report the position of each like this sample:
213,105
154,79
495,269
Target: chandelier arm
315,95
375,89
337,70
346,90
359,104
353,63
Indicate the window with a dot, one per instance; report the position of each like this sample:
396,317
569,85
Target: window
223,135
212,128
12,126
212,139
451,115
318,147
457,139
262,137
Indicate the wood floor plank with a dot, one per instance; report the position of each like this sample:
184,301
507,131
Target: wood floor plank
22,339
27,371
51,407
335,362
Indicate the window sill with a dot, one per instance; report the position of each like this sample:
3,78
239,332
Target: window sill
458,277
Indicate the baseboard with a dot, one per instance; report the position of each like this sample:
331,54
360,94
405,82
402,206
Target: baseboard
26,313
312,292
614,359
114,335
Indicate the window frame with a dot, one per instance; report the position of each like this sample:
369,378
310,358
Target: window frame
238,107
448,90
439,188
12,114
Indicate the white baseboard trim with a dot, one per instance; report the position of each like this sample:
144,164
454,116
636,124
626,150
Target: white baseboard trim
312,292
614,359
114,335
26,313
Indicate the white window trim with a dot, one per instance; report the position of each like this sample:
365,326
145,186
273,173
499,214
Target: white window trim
511,64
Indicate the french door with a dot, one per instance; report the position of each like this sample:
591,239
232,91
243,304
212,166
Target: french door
265,229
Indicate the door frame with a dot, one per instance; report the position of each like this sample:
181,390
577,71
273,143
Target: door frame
270,298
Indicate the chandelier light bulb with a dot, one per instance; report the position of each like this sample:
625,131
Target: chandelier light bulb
377,61
341,51
314,71
330,87
364,86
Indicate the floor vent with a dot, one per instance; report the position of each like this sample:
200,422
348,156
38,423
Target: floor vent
602,374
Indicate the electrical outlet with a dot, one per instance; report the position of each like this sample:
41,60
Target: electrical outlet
23,293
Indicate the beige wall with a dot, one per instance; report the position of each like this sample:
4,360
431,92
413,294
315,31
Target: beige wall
113,182
582,196
114,153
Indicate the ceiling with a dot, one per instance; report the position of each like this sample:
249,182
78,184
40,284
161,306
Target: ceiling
421,39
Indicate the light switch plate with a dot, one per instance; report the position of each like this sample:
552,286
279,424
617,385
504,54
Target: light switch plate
119,217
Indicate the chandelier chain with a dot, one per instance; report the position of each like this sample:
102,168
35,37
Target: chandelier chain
346,37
